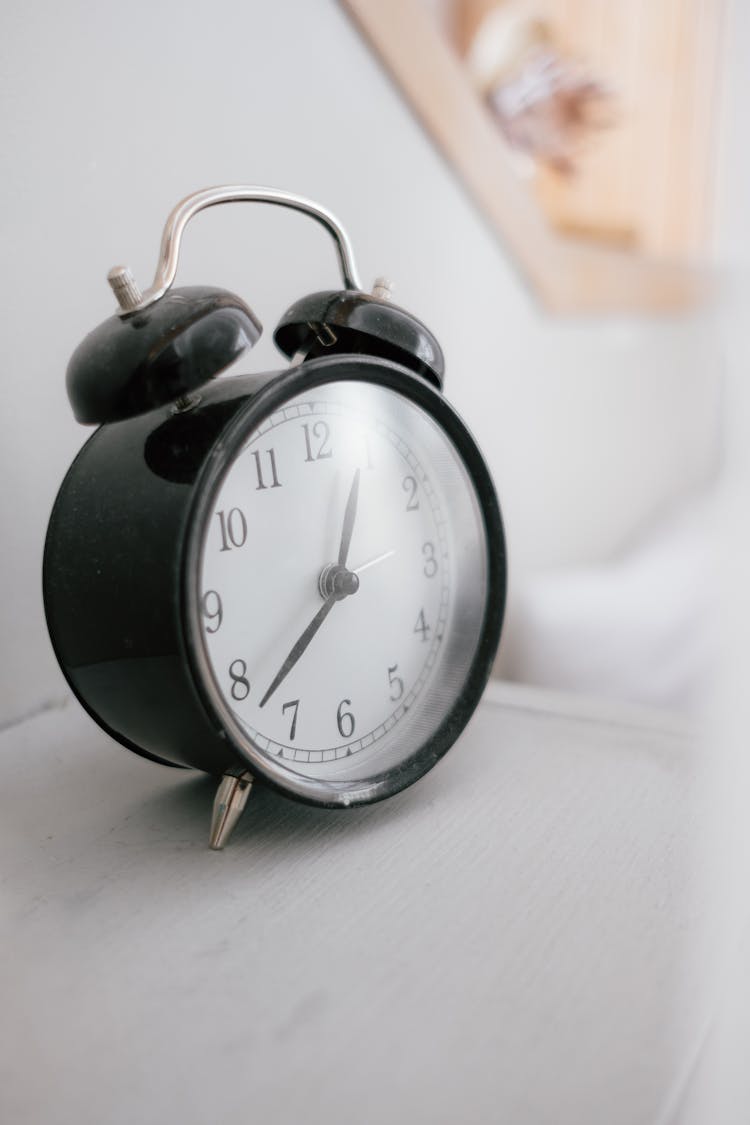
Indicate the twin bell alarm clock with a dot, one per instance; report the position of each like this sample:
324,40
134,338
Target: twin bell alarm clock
295,577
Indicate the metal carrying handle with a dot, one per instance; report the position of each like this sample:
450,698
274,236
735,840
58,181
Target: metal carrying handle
129,295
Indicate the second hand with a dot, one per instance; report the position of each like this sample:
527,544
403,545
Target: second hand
372,562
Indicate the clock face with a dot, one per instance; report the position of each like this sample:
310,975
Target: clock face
342,584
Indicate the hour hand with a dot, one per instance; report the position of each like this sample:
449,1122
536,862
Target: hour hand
349,515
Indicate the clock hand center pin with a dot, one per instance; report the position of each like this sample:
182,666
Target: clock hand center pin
337,582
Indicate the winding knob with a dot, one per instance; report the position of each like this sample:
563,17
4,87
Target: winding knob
125,288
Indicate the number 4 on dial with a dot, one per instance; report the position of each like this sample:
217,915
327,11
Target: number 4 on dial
421,627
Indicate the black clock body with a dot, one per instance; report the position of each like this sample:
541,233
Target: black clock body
121,556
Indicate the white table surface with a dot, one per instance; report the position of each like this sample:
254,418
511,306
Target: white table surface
508,941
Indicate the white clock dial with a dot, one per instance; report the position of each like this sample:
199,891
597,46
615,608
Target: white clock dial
328,578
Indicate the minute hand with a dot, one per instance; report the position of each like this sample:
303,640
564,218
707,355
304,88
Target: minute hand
334,596
300,646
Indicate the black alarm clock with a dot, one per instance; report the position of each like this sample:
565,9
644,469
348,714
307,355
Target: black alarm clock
296,576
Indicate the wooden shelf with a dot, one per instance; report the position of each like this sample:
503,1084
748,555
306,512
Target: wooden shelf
567,274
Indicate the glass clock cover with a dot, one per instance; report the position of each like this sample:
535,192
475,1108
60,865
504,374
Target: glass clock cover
340,589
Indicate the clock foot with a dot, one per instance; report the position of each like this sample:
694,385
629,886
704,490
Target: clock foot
231,798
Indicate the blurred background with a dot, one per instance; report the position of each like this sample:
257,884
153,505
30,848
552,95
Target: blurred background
547,183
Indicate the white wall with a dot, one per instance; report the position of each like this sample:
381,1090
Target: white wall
719,1090
112,112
